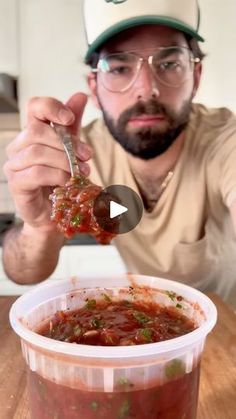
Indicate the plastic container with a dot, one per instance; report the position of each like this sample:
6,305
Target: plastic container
68,381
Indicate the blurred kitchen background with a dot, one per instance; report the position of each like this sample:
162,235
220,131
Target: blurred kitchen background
42,45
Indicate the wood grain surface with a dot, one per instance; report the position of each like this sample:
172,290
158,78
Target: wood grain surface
217,398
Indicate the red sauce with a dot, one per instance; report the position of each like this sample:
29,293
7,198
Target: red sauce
118,323
72,209
176,399
113,322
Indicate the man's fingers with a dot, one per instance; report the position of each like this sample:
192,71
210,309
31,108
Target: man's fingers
49,109
77,104
36,132
33,177
35,155
40,134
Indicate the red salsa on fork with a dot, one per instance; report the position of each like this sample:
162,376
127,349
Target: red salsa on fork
72,209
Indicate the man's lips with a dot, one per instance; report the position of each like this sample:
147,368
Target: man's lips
146,120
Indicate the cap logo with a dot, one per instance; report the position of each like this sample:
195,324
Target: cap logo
115,1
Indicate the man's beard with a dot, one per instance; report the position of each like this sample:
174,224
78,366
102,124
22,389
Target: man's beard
148,142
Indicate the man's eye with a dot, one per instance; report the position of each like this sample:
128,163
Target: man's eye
119,70
169,65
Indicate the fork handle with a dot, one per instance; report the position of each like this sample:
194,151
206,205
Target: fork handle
66,140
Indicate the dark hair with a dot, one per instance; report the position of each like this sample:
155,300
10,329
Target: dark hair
195,47
93,59
192,44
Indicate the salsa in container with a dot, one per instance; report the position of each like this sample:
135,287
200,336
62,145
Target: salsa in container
175,399
108,322
68,380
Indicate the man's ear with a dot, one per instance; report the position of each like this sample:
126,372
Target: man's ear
197,77
92,83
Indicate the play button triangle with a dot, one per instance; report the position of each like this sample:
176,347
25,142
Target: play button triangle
116,209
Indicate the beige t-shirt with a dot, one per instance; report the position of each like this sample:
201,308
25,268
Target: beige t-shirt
189,234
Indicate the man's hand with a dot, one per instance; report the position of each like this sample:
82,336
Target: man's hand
37,161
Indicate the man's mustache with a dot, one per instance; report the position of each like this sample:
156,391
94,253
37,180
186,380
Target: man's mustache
152,107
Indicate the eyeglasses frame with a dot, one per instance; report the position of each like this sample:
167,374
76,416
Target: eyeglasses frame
148,59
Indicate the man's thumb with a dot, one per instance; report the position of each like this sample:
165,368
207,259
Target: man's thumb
77,104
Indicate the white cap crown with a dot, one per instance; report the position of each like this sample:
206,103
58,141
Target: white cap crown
106,18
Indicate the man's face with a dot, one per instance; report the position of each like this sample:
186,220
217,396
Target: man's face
147,117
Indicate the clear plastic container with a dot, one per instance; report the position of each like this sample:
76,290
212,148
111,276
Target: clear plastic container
73,381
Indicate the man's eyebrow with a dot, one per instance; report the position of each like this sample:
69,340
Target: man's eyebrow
120,55
167,51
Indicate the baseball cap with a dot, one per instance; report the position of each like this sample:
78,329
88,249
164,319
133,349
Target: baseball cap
105,18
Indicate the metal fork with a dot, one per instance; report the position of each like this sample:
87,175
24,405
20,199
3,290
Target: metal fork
66,140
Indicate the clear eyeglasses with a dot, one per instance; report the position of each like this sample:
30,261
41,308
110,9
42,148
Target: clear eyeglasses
171,66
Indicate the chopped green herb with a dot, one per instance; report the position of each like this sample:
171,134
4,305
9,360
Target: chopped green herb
124,381
76,220
90,304
147,334
97,322
179,305
141,317
107,298
127,303
125,409
171,295
63,206
174,368
94,406
80,181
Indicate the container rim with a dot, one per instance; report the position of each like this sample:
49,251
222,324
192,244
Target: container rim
111,352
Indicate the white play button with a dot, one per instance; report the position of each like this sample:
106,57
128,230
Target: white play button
116,209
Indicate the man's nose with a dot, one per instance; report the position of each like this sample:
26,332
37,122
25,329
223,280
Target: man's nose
146,84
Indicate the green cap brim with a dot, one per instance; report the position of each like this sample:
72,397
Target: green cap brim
137,21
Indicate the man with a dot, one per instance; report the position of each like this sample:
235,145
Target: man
145,70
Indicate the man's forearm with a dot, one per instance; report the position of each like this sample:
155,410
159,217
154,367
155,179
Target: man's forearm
30,256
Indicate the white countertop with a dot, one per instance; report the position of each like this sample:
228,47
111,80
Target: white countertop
74,260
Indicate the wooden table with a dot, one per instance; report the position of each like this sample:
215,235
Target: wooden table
217,398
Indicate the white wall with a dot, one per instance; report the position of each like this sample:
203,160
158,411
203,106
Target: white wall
218,87
9,37
52,47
